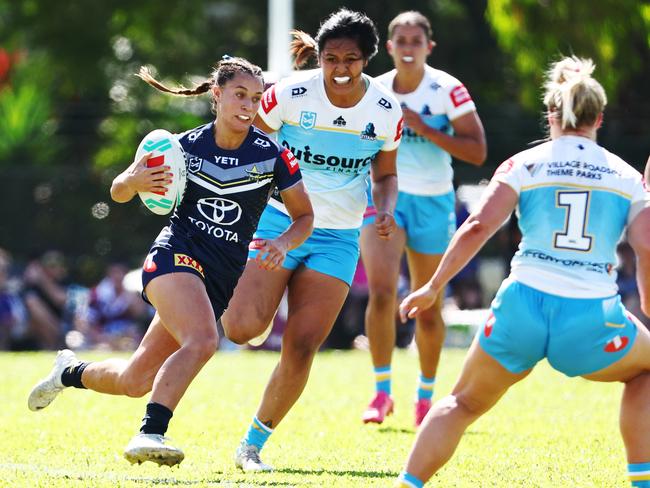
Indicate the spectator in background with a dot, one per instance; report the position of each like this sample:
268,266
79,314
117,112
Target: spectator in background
45,294
13,316
116,316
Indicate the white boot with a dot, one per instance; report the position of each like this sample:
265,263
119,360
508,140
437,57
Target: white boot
247,458
154,448
48,388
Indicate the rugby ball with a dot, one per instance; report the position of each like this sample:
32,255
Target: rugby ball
165,150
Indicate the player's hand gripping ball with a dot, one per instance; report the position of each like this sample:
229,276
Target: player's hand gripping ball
165,151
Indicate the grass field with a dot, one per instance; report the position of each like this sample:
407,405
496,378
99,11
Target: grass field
548,431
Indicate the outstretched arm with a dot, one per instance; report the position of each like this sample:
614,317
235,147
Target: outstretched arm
138,177
498,202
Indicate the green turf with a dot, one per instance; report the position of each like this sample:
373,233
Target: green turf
547,431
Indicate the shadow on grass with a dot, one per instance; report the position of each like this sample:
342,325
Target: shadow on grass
146,481
118,480
393,430
336,472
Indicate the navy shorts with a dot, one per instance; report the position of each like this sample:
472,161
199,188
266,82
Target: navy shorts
182,259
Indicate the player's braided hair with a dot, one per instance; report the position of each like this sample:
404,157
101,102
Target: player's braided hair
224,71
572,95
342,24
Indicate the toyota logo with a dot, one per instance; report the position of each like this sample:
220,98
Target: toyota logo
219,210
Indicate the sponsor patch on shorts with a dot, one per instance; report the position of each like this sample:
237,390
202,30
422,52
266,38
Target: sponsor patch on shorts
187,261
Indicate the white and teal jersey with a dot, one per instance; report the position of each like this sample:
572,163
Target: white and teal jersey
575,199
422,167
334,146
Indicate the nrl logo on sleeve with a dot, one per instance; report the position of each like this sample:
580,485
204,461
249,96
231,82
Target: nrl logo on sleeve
298,91
307,120
385,104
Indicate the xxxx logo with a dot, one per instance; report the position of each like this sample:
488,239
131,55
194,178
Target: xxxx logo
161,145
185,260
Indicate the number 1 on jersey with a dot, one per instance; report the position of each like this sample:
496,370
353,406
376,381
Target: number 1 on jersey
577,210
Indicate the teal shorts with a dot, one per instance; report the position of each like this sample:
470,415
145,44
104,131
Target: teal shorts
578,336
429,221
333,252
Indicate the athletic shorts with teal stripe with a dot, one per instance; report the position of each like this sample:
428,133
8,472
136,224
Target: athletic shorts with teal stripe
578,336
333,252
429,221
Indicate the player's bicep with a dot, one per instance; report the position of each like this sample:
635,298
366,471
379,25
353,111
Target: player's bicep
384,164
469,125
296,200
497,203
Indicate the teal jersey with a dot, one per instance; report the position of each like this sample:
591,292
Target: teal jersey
334,146
575,199
423,168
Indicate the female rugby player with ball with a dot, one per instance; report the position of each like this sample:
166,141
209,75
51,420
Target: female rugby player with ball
196,261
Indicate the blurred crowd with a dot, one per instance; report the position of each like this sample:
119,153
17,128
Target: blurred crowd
41,308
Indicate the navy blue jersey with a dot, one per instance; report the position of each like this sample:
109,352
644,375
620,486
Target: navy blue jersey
225,195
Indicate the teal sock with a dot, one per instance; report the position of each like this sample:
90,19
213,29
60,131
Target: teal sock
257,433
407,480
425,387
382,379
639,474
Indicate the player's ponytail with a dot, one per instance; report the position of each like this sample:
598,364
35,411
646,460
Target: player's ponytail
225,70
145,75
303,47
572,95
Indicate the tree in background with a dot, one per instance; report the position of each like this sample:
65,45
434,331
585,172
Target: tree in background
72,113
614,33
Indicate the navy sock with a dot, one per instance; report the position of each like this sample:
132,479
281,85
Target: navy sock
71,375
156,420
